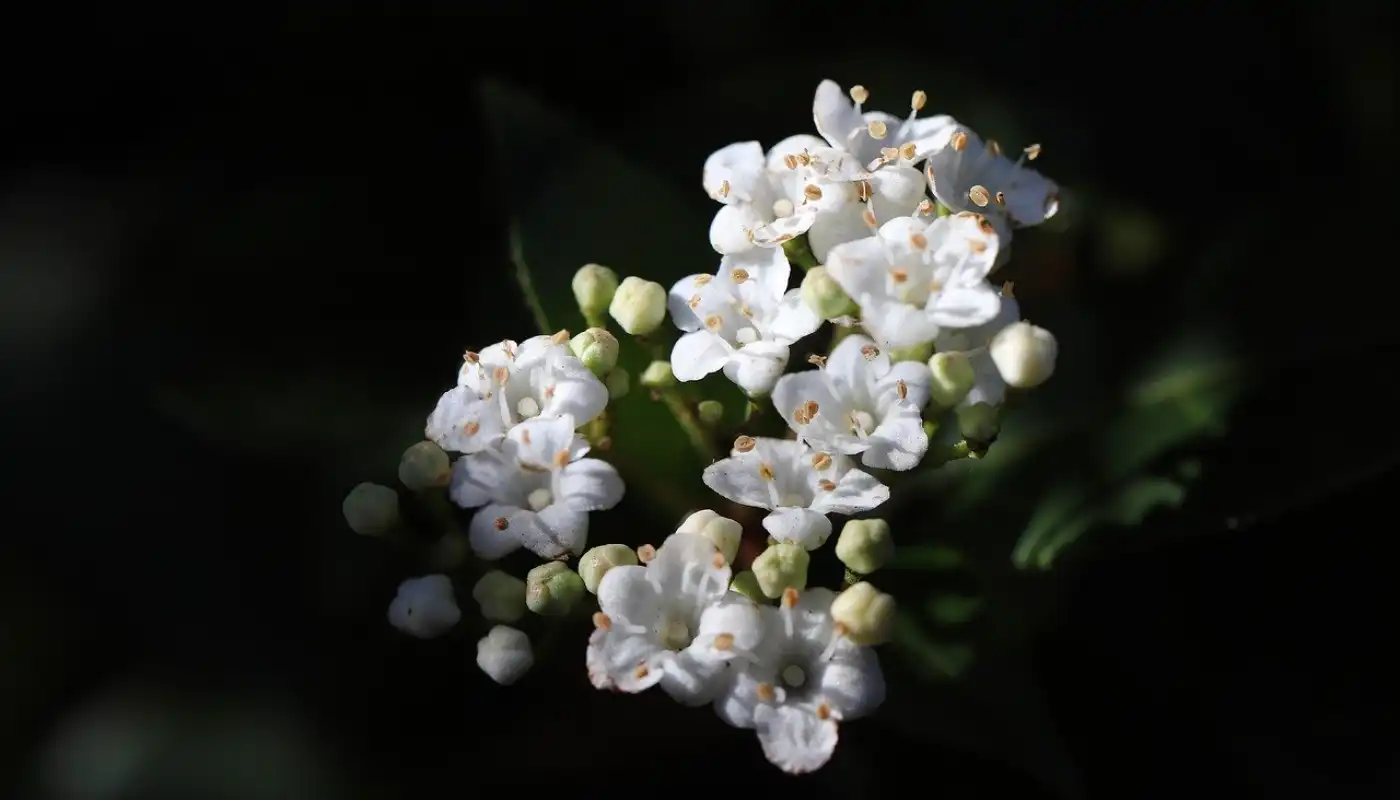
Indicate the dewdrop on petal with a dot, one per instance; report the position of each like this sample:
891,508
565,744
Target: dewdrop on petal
619,383
865,545
658,375
782,566
425,466
865,614
746,583
552,589
594,286
639,305
500,596
953,378
824,296
710,411
596,349
371,509
504,655
722,532
1024,354
596,562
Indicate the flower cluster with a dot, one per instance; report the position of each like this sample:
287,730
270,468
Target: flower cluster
898,225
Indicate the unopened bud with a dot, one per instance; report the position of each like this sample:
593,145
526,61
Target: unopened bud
979,423
501,596
597,349
781,566
658,375
710,411
619,383
822,294
866,614
552,589
1024,355
638,306
722,532
504,655
865,545
594,286
746,583
424,466
597,561
425,607
953,378
371,509
917,352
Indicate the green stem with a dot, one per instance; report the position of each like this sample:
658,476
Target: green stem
690,424
527,285
956,452
799,252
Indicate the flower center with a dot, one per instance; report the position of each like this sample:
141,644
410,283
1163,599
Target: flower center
793,500
861,423
527,407
675,635
794,676
540,499
782,207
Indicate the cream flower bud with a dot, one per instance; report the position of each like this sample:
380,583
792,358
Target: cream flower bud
979,423
1024,354
371,509
953,378
425,607
710,411
501,596
504,655
424,466
658,375
619,383
594,286
866,613
746,583
597,349
824,296
781,566
918,352
722,532
596,562
865,545
639,306
552,589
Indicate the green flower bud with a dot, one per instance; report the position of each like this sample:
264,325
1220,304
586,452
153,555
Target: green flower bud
371,509
953,378
824,295
865,545
710,411
638,306
658,375
746,583
781,566
722,532
979,424
619,383
424,466
918,352
594,286
597,561
1024,355
552,589
597,349
866,614
501,596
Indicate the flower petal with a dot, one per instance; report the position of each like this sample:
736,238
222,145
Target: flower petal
729,230
689,568
698,354
899,442
916,378
855,361
927,133
491,534
807,527
792,145
859,268
464,423
851,683
627,595
481,478
733,172
553,531
590,484
755,367
897,191
678,302
856,491
621,661
794,389
571,389
837,227
894,324
791,319
794,738
539,440
737,479
963,306
732,621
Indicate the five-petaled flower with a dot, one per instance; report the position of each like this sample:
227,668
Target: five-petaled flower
967,174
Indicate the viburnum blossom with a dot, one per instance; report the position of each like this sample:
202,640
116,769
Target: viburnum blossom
967,174
870,136
989,387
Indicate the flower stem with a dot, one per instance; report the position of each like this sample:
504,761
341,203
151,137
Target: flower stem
690,424
527,285
800,253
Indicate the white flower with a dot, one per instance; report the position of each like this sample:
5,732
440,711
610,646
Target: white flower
425,607
844,126
966,174
504,654
859,403
918,276
740,320
535,490
508,382
806,679
798,484
673,622
988,386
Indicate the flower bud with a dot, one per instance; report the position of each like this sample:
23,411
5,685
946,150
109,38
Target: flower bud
781,566
371,509
552,589
953,378
639,305
865,545
746,583
1024,355
501,596
425,607
504,655
866,613
722,532
979,423
824,296
597,561
424,466
594,286
597,349
917,352
619,383
658,375
450,551
710,411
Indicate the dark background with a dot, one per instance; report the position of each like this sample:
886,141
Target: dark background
254,195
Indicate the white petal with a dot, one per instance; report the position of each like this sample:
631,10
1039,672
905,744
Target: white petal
768,273
590,484
807,527
488,540
856,491
792,145
622,661
557,529
795,389
834,228
895,324
754,367
792,319
916,378
899,442
626,593
737,479
794,738
859,268
734,616
690,569
482,477
678,302
927,133
898,189
729,229
836,117
852,683
782,229
851,364
964,306
732,172
698,354
464,423
572,390
537,441
989,387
